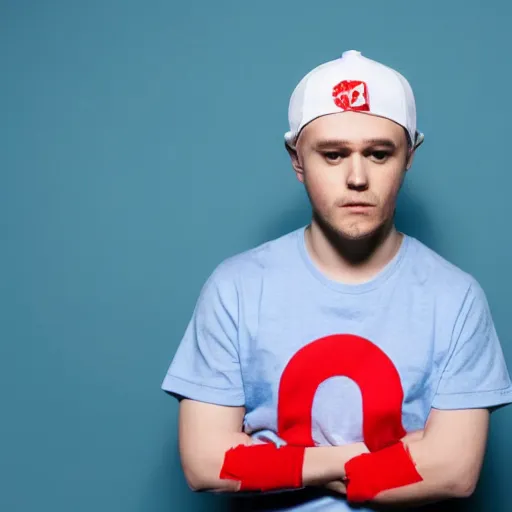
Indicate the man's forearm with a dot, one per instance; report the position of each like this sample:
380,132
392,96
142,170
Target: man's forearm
321,465
441,479
326,464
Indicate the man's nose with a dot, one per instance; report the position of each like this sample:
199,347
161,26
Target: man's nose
357,176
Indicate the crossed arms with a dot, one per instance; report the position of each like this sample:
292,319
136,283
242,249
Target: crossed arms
448,453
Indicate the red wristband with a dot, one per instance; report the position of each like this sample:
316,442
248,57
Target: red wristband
264,467
371,473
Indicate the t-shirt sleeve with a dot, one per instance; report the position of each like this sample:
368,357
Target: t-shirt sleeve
476,374
206,365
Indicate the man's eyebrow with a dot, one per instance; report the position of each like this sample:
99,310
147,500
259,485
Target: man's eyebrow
381,142
337,143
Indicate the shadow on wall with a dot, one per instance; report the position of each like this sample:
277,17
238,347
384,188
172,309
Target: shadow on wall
167,489
412,218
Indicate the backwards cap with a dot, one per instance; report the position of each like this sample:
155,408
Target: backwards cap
353,83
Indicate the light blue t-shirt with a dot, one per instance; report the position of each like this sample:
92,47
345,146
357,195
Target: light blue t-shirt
272,333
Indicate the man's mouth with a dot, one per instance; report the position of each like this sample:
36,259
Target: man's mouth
354,204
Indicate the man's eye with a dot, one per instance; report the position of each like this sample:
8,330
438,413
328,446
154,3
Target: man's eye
380,156
332,155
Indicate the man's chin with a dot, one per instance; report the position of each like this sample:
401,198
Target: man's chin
356,235
352,232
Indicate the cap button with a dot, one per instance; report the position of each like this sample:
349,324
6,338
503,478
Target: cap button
351,53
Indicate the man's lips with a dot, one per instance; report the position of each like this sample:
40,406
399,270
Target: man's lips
358,207
357,204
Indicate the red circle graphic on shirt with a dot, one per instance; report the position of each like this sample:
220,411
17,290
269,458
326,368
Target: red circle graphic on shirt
341,355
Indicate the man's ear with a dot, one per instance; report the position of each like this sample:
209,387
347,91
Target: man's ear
296,163
410,158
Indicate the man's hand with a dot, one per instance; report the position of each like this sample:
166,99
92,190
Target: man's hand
355,449
337,486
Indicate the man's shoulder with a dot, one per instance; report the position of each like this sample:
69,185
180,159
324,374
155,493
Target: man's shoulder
431,266
252,262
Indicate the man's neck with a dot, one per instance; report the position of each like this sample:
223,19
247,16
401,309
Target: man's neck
351,261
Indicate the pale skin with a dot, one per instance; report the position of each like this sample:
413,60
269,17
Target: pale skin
440,451
344,159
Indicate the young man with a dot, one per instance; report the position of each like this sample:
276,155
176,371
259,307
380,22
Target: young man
344,356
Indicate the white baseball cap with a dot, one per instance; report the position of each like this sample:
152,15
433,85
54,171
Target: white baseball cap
354,83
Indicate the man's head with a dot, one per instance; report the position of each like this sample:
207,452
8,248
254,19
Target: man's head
352,166
352,137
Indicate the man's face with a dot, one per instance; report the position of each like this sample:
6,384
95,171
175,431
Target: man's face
352,165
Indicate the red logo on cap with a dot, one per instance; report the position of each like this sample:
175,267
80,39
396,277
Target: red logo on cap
351,95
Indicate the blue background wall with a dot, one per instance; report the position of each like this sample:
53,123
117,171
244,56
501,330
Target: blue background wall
141,143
